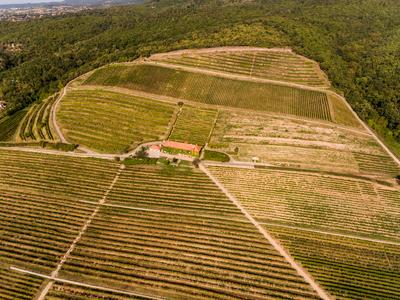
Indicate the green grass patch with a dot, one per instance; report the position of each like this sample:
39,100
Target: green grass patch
139,161
215,156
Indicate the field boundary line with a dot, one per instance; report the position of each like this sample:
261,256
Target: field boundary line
302,272
333,233
166,211
82,231
174,121
97,287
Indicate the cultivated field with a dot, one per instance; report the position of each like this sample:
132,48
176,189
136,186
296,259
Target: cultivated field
40,212
322,196
111,122
37,124
155,230
348,268
300,143
268,64
334,204
215,90
9,125
193,125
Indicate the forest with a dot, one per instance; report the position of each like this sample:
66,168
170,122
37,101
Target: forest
356,42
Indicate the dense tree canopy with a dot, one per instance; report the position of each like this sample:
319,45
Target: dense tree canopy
357,42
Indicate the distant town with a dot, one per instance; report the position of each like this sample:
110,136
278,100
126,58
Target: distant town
18,14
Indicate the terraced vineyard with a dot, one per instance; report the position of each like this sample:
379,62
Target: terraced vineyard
111,122
348,268
36,124
193,125
97,228
9,125
214,90
268,64
309,200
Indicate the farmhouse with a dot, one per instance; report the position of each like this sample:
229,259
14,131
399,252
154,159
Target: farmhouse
185,147
154,151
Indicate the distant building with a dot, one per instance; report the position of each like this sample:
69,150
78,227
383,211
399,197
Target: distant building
154,151
194,149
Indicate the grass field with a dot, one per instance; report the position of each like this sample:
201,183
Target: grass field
215,90
111,122
193,125
282,65
309,200
348,268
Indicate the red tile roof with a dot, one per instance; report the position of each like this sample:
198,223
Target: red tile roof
155,147
182,146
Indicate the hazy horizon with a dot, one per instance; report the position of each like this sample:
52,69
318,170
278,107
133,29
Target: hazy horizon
3,2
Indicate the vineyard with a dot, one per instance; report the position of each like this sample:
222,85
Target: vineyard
36,124
275,65
39,208
334,204
193,125
251,128
62,291
9,125
197,244
347,268
111,122
215,90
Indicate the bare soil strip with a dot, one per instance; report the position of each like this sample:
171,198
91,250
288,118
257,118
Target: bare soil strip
54,274
96,287
334,234
303,273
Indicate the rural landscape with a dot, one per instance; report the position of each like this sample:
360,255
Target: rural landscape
211,173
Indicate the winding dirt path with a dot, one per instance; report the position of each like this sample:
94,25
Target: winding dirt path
302,272
53,115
